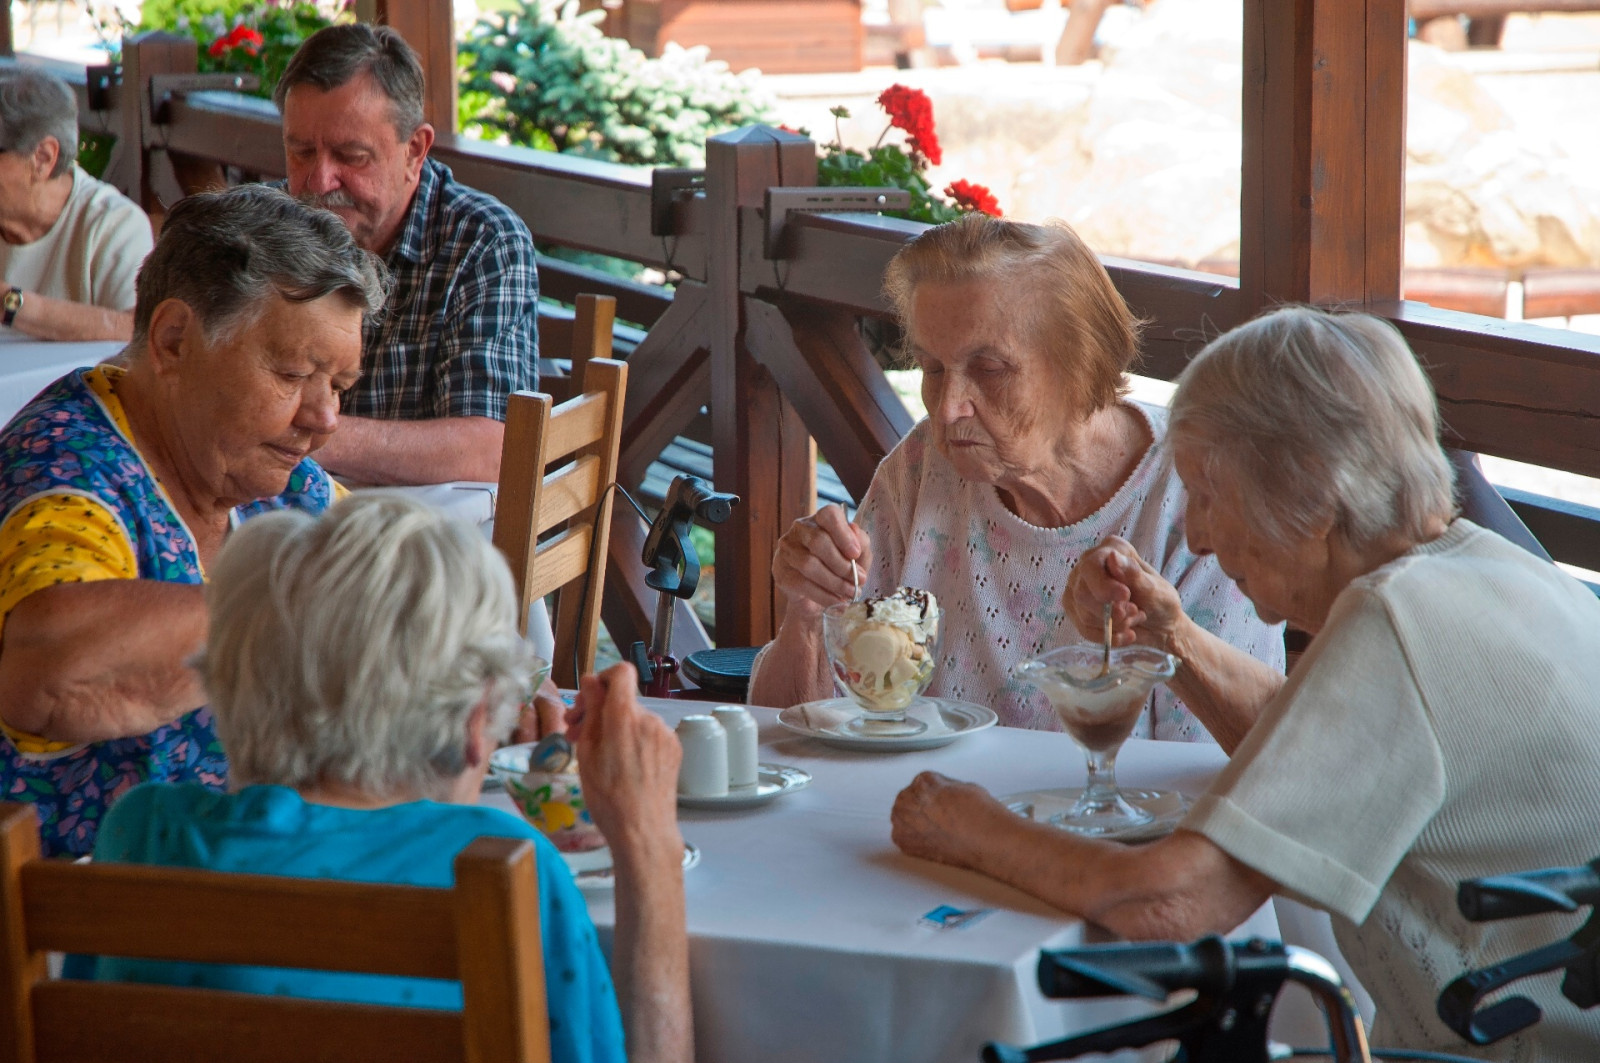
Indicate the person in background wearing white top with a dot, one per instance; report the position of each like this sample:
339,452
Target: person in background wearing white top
1443,724
1029,456
70,246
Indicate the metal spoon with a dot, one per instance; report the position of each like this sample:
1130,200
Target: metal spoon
1105,617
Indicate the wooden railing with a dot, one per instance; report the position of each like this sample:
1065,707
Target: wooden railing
769,337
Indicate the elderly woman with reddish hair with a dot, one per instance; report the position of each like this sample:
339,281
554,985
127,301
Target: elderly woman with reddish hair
1031,454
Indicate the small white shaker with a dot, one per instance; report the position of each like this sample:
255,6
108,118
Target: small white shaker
704,771
741,728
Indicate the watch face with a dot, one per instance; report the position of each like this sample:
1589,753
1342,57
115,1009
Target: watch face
12,301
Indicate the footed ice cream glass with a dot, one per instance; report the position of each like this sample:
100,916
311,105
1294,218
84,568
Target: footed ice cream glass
883,659
1099,701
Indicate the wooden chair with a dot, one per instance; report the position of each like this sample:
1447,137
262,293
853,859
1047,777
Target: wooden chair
484,932
557,470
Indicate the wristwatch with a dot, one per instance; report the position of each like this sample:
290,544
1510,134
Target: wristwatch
10,304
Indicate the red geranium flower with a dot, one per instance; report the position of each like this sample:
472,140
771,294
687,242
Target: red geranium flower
241,36
971,196
911,110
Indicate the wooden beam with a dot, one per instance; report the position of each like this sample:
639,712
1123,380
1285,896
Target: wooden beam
1322,188
7,41
669,381
754,429
429,27
825,370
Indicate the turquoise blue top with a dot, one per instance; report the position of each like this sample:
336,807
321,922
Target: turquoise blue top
271,830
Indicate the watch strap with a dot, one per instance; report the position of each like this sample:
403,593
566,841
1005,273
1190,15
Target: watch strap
10,304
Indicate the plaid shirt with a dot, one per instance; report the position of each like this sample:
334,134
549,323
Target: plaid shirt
460,331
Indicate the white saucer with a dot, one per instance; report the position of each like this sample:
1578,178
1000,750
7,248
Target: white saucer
771,780
1167,806
947,720
592,870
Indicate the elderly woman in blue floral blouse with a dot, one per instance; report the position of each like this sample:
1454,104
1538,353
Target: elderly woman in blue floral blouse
118,486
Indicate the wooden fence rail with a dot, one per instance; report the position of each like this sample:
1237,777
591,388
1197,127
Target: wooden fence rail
768,337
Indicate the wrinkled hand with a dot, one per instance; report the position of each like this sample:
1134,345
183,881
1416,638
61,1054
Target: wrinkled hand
545,714
1145,607
812,563
938,818
628,760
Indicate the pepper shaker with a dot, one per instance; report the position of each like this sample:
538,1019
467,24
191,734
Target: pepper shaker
741,729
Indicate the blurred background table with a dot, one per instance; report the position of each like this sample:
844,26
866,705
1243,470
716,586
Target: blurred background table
27,365
805,940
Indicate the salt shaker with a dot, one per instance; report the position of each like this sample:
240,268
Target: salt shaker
704,771
741,729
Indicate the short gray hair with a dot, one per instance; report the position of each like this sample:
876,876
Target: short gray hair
226,253
35,105
352,649
1319,416
336,55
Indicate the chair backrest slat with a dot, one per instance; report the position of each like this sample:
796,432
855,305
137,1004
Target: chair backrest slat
562,560
484,932
92,1022
538,495
213,917
577,423
569,491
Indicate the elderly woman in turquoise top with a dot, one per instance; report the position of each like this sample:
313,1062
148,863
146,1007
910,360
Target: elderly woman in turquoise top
118,485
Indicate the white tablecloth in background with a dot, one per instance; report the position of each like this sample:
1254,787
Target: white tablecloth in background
803,916
27,366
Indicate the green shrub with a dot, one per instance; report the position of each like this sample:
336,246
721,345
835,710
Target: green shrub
543,76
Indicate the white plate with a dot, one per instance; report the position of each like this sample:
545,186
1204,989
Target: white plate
947,721
592,870
771,780
1167,806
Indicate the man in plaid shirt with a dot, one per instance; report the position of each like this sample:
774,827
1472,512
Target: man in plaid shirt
459,332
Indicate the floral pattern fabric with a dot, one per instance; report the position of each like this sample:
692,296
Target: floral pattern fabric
67,442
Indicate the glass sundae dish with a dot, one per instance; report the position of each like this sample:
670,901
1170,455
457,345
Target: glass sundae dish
883,651
1099,694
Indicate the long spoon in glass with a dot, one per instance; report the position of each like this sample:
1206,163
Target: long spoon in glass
1105,618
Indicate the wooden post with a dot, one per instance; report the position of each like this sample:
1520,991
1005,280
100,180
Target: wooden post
762,451
139,164
7,45
1324,151
429,27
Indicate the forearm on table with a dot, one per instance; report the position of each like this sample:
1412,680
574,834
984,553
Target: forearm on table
795,668
1222,685
1176,889
88,662
650,950
371,451
58,319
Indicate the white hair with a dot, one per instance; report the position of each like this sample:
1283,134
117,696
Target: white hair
1318,416
353,648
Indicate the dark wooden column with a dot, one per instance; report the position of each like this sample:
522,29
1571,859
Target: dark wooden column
140,166
429,27
6,39
1324,151
763,453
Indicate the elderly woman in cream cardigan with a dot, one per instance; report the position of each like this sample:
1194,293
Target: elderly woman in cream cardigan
1030,455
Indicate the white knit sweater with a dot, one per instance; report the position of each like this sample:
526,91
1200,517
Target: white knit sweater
999,579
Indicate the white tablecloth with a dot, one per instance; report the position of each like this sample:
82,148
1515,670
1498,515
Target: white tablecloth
803,916
27,366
